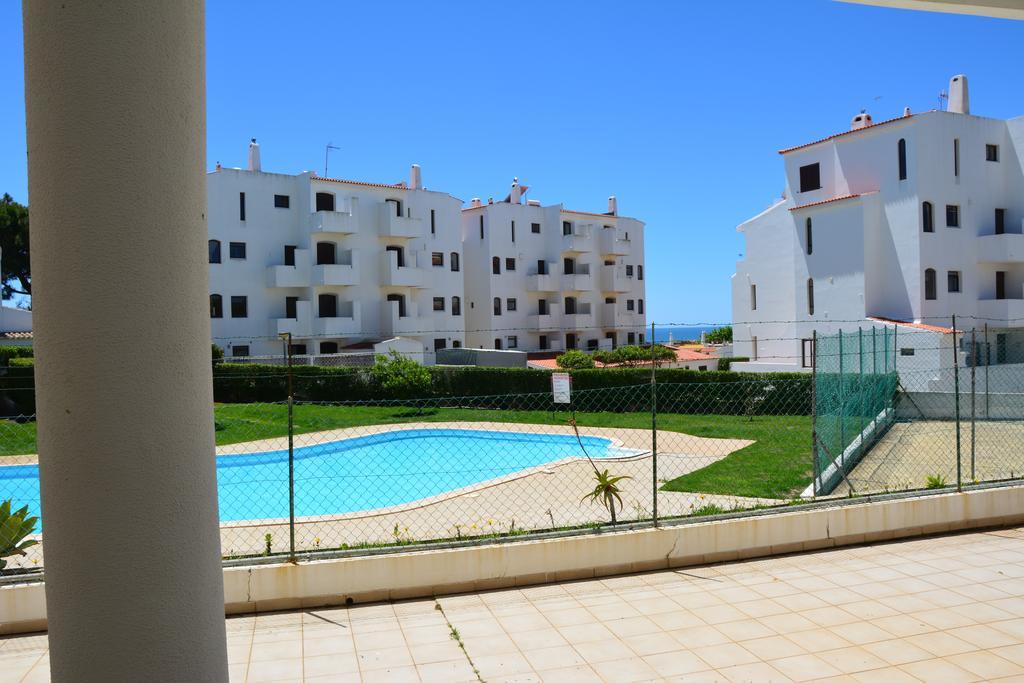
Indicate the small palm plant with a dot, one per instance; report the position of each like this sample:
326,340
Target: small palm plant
14,527
607,490
935,481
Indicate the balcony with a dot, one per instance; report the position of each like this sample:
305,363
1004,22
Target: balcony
615,315
335,222
578,281
408,275
578,241
392,324
393,225
542,282
348,322
581,319
300,326
614,242
1011,310
291,276
553,345
613,279
342,274
552,320
1005,248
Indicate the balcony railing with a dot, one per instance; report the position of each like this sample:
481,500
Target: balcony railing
542,282
300,326
348,322
613,279
344,273
1004,248
577,241
579,280
336,222
393,324
291,276
393,225
408,275
550,320
614,242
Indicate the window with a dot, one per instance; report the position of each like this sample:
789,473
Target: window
495,265
753,297
929,284
953,281
570,341
513,232
240,351
901,148
1000,284
510,304
433,226
289,254
639,305
481,226
542,267
906,351
591,345
630,304
456,344
927,217
510,264
956,158
241,206
806,353
438,303
396,205
497,305
952,216
542,306
611,336
629,271
400,300
324,201
630,338
437,259
512,342
991,152
456,306
291,307
810,177
566,228
570,305
810,296
282,201
399,254
1000,221
216,306
328,347
641,338
236,250
326,253
535,228
609,299
454,261
543,342
753,347
214,246
239,307
809,236
497,343
609,262
439,343
297,349
702,368
327,305
640,272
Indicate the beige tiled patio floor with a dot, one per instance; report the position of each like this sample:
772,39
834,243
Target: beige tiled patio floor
938,609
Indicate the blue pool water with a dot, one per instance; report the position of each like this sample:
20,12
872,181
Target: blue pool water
361,473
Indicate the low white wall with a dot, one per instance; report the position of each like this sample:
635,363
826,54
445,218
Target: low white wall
420,574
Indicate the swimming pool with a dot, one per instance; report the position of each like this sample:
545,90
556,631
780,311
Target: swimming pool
361,473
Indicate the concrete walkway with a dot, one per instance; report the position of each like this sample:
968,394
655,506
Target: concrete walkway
946,608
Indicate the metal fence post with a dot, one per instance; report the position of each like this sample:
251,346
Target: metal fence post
814,412
988,361
654,434
860,389
974,363
842,408
287,339
956,400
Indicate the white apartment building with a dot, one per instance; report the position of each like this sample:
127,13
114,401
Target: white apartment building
913,219
544,278
334,262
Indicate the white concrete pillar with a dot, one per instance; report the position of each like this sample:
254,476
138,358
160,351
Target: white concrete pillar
116,118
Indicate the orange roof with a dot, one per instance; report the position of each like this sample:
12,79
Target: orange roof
845,132
684,355
589,213
396,186
830,200
919,326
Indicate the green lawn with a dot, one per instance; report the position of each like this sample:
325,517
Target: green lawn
777,465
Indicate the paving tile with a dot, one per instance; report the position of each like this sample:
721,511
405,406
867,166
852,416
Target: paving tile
773,647
896,652
398,674
853,659
323,665
726,654
678,663
503,665
274,670
540,638
652,643
627,670
941,644
430,653
758,671
939,670
804,667
573,674
985,665
455,671
558,657
597,651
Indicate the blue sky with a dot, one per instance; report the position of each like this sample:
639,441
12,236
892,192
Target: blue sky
678,108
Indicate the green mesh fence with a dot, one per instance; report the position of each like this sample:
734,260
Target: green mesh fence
854,389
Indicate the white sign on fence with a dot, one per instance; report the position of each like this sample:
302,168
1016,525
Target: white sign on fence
561,387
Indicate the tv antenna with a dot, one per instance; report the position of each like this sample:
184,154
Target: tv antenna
327,152
943,99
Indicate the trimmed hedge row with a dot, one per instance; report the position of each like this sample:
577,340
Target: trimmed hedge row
726,363
9,352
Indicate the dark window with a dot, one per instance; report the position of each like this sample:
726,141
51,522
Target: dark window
609,262
495,265
906,351
454,260
753,297
901,148
568,266
326,253
570,341
510,304
437,259
611,335
214,246
433,225
397,206
542,306
497,305
956,158
240,350
282,201
953,281
216,306
629,271
497,343
456,344
810,177
639,272
510,264
809,235
438,303
400,254
481,226
542,267
291,307
810,296
1000,284
609,299
512,342
241,206
991,152
927,217
631,337
328,347
543,342
456,306
239,307
639,305
297,349
641,338
289,254
570,305
1000,221
591,344
236,249
929,284
327,305
535,228
566,228
952,216
401,303
324,201
513,232
439,344
629,304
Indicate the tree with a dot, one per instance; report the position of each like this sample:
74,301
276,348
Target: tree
574,360
14,263
719,335
400,377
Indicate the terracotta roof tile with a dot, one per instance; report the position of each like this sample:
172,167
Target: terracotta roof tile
831,200
919,326
846,132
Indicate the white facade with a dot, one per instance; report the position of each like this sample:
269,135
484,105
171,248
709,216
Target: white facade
333,262
547,278
914,219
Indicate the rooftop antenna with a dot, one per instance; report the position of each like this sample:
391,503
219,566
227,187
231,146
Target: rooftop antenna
943,99
327,152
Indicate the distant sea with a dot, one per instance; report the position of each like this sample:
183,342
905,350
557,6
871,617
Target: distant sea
661,334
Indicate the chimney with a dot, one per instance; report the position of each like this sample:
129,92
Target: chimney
475,202
516,194
415,180
613,206
906,111
861,120
254,155
959,101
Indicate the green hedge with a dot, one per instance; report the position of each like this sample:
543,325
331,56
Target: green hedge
725,363
9,352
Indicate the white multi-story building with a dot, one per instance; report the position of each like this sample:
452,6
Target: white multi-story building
914,219
333,262
547,278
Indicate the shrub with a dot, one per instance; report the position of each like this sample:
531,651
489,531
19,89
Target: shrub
400,377
575,360
23,362
724,363
9,352
14,527
217,354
